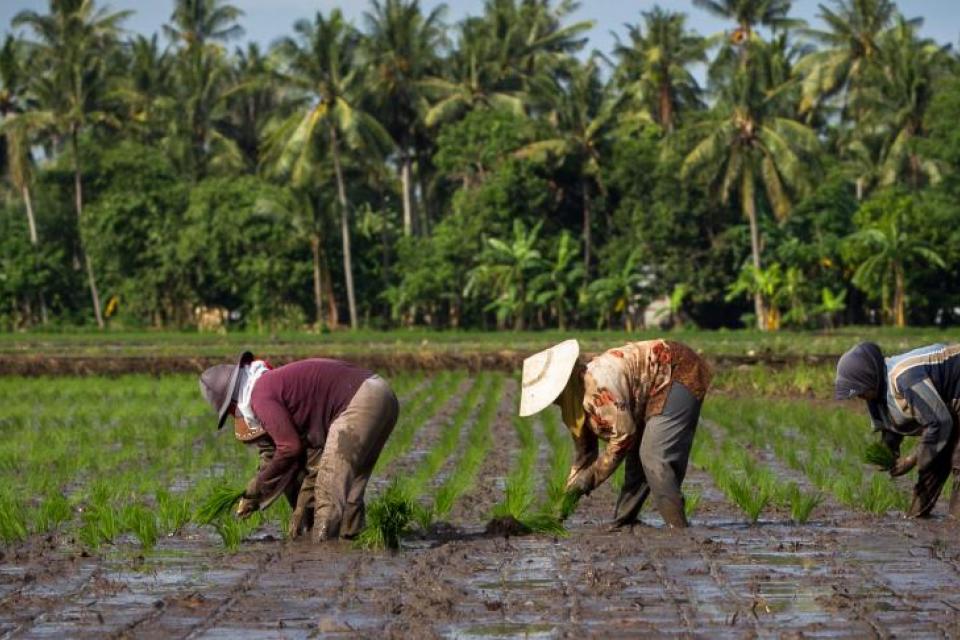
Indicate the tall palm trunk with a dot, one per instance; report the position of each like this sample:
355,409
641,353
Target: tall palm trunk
78,201
406,185
666,108
34,240
424,204
344,229
899,296
587,223
317,280
750,210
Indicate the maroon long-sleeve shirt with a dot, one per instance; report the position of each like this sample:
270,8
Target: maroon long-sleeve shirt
296,405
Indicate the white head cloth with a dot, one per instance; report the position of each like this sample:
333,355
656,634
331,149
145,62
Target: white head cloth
248,378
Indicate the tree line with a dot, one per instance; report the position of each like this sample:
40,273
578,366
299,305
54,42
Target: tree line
495,172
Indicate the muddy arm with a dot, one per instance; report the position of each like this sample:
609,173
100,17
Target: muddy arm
586,448
932,413
281,469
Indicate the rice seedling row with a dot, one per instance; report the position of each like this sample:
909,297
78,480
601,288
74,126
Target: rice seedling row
825,444
478,441
423,406
100,459
748,483
779,579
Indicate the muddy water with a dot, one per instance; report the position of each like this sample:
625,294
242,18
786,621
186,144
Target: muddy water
843,576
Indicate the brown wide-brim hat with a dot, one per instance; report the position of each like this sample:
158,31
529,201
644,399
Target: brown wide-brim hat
218,384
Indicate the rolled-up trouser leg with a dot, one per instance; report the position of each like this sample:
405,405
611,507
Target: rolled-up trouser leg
930,480
351,450
301,520
634,491
665,450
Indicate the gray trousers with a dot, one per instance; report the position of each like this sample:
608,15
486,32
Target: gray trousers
657,463
337,475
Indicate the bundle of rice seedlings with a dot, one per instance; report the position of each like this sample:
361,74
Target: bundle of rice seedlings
545,523
388,519
219,503
880,455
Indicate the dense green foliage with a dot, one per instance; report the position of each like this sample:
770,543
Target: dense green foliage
489,173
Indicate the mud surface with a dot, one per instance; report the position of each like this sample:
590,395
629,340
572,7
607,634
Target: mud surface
841,575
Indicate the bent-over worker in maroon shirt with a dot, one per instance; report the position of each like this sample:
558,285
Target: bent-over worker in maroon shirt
331,416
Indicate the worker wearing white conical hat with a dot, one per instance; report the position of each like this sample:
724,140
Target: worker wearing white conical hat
643,398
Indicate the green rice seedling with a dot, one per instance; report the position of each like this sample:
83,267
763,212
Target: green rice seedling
142,523
545,524
518,492
568,504
691,501
388,518
219,503
561,452
880,455
478,445
13,518
751,499
802,505
101,523
880,496
231,532
173,512
53,510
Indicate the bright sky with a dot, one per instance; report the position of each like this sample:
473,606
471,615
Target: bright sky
265,20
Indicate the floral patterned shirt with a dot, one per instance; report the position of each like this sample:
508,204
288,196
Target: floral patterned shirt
622,388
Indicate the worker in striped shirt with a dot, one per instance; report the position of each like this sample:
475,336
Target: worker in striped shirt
912,394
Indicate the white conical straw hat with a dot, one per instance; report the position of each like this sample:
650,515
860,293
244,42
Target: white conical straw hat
545,374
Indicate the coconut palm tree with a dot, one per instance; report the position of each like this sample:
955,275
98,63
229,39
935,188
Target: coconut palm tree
897,100
750,142
18,125
847,48
581,114
501,54
197,27
146,87
404,47
748,14
654,68
15,143
196,22
322,64
72,46
475,76
255,97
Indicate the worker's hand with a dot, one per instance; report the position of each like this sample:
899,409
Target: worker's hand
582,483
246,507
903,465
